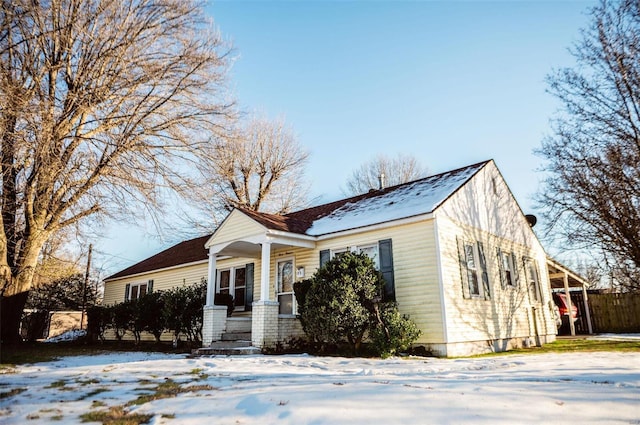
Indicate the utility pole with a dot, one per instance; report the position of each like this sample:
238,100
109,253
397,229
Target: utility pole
84,287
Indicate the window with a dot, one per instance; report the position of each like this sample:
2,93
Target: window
284,282
338,252
370,250
533,278
239,286
382,255
135,291
224,280
508,270
472,270
233,281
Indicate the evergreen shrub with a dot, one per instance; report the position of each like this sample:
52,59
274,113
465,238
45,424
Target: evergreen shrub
342,302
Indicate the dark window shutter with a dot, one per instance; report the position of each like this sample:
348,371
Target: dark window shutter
485,273
516,273
385,250
325,256
248,291
464,272
126,291
503,281
150,286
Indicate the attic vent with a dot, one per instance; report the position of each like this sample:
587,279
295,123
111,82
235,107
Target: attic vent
391,203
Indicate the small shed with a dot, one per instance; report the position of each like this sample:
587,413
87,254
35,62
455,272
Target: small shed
562,278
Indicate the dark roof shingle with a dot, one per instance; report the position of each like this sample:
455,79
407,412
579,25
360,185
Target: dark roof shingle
182,253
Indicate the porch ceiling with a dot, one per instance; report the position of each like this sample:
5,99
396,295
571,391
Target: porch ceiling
241,249
246,249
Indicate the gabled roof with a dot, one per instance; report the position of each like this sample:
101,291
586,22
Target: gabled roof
405,200
185,252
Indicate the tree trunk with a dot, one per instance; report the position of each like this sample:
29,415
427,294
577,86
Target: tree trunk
10,315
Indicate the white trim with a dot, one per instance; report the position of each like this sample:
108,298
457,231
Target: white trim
265,269
211,279
445,337
177,266
291,235
342,249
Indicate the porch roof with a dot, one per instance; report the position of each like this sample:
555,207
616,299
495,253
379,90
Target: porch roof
557,272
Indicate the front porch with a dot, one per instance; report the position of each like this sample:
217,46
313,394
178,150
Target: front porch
258,271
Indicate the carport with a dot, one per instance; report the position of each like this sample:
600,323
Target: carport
562,277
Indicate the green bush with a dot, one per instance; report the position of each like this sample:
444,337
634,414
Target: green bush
98,320
393,333
183,309
121,318
342,302
148,314
335,307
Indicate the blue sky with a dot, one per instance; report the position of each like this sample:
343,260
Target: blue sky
452,83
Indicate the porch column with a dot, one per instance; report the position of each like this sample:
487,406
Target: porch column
264,271
264,315
572,326
211,278
586,309
214,320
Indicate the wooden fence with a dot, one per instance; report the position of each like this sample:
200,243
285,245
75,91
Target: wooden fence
615,313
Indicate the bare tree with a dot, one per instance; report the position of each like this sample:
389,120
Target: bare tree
101,104
258,165
401,169
592,192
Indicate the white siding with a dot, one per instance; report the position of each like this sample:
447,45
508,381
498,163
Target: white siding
235,226
486,203
162,280
484,210
415,272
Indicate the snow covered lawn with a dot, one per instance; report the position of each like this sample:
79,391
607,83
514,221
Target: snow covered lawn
599,387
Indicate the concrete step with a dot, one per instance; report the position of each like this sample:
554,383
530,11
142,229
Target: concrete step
231,344
225,351
236,336
238,324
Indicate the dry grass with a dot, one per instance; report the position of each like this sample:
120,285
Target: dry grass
116,415
12,392
168,389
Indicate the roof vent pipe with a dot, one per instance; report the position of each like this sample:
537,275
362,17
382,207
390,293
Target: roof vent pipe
381,179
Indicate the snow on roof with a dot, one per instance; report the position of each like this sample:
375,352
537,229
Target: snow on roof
402,201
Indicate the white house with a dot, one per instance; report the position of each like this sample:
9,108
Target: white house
457,253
